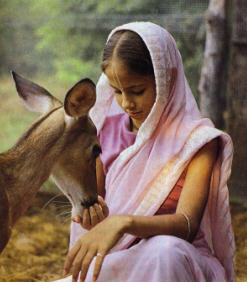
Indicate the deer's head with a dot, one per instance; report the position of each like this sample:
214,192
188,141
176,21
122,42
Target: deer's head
76,146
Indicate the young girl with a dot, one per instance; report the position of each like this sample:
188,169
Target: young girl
162,172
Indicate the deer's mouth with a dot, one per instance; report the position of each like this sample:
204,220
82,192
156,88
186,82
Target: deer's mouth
88,204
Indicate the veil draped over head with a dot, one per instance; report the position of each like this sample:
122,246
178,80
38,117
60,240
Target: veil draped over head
142,176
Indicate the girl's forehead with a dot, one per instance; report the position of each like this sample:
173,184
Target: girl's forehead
120,76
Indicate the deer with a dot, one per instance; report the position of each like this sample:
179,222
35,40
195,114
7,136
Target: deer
61,143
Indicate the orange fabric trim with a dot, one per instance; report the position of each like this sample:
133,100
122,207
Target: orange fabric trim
170,204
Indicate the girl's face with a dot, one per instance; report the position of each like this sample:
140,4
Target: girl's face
134,93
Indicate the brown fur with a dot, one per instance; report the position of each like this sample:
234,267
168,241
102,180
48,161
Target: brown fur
53,145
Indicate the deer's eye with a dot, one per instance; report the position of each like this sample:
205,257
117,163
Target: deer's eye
96,151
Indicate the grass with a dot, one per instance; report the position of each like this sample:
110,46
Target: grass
15,118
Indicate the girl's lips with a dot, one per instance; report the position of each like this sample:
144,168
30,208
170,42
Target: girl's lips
134,114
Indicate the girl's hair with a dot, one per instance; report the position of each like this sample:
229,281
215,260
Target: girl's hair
128,47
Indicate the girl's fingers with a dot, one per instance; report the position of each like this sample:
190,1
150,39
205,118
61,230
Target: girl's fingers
93,216
86,263
86,219
103,205
77,264
99,212
70,258
98,264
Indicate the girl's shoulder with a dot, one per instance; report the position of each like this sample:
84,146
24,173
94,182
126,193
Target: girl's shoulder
114,137
115,125
116,132
114,121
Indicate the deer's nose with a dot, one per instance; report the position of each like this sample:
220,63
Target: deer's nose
88,203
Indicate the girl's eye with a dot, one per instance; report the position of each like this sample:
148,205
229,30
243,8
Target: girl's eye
117,91
138,92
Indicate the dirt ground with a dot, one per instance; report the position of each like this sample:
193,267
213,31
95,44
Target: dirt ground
39,242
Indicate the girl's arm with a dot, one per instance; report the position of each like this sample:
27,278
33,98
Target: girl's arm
192,202
104,236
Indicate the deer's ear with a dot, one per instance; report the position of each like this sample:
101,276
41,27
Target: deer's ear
35,97
80,98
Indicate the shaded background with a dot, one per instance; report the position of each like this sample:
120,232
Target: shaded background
55,44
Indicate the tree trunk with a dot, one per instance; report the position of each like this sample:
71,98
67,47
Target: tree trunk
237,98
211,104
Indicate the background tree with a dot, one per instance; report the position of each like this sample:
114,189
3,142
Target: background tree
237,97
211,81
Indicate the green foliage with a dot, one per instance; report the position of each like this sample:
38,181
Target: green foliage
129,6
71,70
17,26
75,51
66,38
61,41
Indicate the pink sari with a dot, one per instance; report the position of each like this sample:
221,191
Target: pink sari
142,176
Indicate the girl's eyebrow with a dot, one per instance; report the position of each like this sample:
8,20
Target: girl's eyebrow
127,88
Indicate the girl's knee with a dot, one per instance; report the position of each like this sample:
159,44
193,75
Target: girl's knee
167,242
170,249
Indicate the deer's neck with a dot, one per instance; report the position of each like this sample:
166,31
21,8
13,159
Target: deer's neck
26,166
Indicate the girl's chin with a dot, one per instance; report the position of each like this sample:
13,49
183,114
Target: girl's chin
136,123
137,120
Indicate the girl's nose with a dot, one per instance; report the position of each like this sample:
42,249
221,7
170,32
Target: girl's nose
127,104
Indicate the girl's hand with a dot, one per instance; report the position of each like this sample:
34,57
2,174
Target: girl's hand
97,242
95,214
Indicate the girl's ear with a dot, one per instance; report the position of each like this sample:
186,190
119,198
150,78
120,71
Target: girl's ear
34,97
80,98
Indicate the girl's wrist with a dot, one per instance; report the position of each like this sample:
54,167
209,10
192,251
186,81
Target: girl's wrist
124,222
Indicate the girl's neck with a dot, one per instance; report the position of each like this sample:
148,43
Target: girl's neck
134,126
